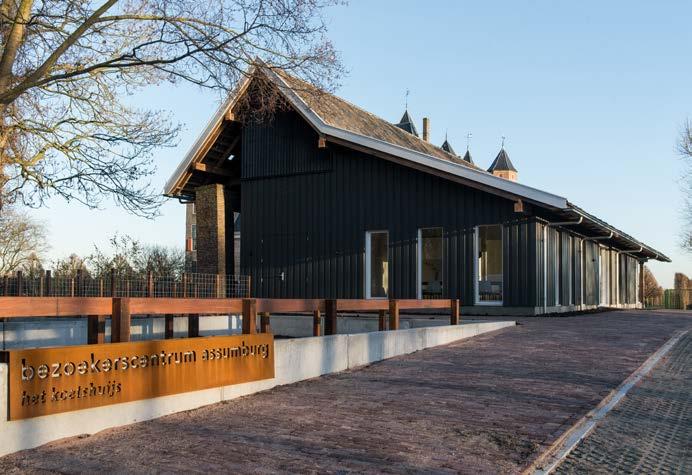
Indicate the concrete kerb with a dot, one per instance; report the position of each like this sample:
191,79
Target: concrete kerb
551,458
295,360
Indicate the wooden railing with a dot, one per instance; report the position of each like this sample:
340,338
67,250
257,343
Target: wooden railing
122,309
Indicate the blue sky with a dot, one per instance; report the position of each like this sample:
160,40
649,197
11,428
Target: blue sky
590,95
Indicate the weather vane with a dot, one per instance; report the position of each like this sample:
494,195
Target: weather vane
406,99
468,140
503,141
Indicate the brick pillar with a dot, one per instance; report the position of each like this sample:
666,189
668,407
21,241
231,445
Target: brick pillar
214,230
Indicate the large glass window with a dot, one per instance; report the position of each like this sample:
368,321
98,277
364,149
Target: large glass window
489,266
376,264
193,235
430,262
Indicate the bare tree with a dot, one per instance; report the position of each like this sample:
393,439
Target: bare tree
161,260
124,250
130,257
33,267
70,266
21,239
68,66
651,288
685,149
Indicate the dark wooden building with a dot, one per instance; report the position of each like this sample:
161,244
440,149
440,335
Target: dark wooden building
338,203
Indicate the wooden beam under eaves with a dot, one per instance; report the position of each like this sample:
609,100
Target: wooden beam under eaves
322,142
204,168
230,116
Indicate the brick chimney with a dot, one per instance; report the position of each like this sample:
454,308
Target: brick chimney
426,129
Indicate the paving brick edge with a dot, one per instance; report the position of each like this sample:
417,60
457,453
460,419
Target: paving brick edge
551,458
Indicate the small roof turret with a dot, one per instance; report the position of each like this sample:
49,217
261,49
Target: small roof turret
467,157
407,124
502,166
502,162
447,147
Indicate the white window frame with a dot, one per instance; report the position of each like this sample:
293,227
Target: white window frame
419,260
477,300
368,264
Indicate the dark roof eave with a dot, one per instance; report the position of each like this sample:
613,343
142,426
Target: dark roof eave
617,234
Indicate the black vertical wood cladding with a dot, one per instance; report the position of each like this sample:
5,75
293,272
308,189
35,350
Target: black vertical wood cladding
304,228
591,280
627,279
553,266
305,212
521,283
287,147
579,271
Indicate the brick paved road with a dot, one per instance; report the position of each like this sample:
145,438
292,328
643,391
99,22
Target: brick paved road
650,431
490,404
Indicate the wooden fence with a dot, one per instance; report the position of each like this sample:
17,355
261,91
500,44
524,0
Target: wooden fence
122,309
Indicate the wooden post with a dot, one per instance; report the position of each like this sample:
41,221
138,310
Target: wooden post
20,284
120,321
113,286
48,287
393,314
100,286
641,284
330,327
220,286
316,323
382,321
79,292
150,284
168,332
249,316
454,312
96,329
265,322
193,325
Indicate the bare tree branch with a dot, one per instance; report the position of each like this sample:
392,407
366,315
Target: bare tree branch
22,240
67,68
685,150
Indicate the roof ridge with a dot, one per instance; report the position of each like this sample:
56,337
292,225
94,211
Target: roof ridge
398,130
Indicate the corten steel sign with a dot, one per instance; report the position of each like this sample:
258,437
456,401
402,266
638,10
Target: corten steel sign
53,380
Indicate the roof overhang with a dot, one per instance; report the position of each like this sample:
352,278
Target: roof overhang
487,181
470,176
606,233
